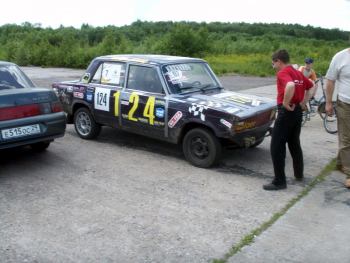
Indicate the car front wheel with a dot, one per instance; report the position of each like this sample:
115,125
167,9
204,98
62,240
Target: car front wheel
201,148
85,125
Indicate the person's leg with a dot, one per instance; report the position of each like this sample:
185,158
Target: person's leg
295,147
278,151
343,116
278,154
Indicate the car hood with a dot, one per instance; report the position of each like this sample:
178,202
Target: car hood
16,97
238,104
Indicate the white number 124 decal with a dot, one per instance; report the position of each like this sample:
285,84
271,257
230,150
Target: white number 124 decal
102,99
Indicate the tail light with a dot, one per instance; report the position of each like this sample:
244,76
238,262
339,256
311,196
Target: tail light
56,106
18,112
24,111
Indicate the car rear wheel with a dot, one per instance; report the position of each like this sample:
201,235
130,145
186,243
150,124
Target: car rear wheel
40,146
85,124
201,148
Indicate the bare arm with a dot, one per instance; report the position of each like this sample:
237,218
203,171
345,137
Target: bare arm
307,96
288,95
329,95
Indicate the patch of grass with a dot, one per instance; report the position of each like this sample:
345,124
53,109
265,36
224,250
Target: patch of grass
248,64
249,238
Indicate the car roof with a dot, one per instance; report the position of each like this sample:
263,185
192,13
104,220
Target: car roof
6,63
149,59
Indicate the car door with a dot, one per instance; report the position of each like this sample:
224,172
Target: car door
143,102
104,92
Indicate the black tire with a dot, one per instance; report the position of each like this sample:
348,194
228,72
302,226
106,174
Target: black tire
40,146
321,109
85,125
201,148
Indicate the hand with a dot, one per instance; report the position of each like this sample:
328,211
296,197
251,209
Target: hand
329,108
303,106
289,107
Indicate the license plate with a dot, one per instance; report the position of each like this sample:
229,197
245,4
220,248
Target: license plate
20,131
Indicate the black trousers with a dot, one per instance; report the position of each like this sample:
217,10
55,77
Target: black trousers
287,131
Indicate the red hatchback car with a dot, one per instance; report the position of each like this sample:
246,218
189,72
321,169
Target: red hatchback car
28,115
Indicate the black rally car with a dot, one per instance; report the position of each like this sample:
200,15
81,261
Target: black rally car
175,99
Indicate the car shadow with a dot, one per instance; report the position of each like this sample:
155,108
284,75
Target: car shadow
227,163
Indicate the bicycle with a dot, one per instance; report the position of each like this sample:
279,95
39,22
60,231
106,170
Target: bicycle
319,106
330,122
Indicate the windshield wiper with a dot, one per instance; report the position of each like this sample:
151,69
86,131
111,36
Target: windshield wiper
187,88
209,87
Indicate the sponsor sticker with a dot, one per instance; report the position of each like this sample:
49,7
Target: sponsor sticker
256,102
232,110
160,112
226,123
160,102
198,110
79,89
89,96
177,116
78,95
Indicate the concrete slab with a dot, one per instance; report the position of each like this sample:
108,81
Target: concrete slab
316,229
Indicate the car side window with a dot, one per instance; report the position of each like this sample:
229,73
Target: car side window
144,79
110,73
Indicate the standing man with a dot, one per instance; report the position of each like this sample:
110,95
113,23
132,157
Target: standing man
338,75
292,94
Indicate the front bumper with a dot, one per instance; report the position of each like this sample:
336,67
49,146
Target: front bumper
249,137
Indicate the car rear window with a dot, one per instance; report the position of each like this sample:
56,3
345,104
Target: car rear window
11,77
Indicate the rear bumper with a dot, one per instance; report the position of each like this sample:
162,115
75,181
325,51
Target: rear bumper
51,126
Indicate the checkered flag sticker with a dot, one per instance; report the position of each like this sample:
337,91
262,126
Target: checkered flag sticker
198,110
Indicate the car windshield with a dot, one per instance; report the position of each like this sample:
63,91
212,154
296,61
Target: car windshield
11,77
189,77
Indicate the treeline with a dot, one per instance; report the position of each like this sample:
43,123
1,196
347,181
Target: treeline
229,47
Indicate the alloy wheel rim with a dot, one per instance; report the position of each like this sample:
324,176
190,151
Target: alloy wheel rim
83,123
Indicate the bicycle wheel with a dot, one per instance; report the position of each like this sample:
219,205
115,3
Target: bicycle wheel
312,109
321,109
330,123
305,116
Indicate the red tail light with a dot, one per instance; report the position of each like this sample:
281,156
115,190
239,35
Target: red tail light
56,106
18,112
24,111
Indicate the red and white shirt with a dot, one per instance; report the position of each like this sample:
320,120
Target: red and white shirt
289,74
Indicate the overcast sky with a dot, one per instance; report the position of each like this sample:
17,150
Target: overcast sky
318,13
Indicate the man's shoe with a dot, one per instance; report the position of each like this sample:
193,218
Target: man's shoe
347,183
299,178
274,187
339,167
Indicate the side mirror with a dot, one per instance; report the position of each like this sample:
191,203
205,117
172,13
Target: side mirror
86,78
